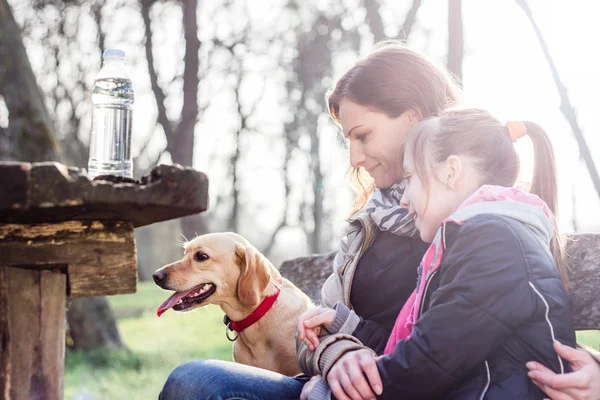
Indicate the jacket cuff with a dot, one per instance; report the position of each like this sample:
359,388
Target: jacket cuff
334,351
345,320
320,391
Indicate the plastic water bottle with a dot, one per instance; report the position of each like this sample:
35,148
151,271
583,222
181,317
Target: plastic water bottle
112,98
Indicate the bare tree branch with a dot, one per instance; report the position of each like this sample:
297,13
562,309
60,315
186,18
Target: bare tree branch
374,19
455,39
409,20
97,13
159,95
565,105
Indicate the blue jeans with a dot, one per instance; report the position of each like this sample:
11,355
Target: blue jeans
224,380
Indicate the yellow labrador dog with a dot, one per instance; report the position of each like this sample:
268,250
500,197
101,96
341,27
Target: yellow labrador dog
261,307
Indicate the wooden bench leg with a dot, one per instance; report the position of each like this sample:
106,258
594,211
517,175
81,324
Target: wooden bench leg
32,333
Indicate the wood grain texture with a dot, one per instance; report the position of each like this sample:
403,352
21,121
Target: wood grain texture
33,306
99,257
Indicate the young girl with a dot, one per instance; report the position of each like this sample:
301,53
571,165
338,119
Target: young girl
491,291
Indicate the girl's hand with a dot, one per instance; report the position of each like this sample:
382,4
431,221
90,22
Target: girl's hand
309,325
581,384
347,376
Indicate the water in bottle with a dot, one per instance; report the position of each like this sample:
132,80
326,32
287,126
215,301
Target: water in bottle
112,98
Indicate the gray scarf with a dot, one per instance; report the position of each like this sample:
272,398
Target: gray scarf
383,210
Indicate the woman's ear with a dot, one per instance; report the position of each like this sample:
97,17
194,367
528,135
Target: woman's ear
453,171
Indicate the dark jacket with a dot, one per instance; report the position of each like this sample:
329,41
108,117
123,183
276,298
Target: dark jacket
496,301
390,258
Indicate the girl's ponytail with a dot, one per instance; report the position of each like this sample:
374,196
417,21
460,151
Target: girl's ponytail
544,184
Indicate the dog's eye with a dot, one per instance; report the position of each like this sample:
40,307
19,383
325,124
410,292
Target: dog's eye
200,256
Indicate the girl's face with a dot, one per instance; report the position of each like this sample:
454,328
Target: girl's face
449,183
376,140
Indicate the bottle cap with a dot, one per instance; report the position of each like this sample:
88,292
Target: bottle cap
113,55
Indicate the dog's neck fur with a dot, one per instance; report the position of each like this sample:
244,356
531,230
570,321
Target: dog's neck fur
238,313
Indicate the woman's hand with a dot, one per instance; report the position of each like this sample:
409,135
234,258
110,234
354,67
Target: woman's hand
309,325
308,387
347,376
581,384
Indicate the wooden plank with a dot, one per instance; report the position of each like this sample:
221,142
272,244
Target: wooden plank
53,301
32,323
52,192
24,328
101,257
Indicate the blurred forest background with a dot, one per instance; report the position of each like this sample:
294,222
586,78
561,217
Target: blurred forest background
236,89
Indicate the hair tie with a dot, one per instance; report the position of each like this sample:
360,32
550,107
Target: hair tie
516,130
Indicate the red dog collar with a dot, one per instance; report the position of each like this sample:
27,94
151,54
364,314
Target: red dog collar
258,313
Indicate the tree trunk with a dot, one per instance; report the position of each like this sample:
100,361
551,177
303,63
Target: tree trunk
180,137
92,324
312,64
29,135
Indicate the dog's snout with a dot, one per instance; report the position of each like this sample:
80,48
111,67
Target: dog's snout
160,277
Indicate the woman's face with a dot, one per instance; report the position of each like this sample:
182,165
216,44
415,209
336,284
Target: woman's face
376,140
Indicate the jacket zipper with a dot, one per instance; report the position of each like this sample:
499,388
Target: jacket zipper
489,380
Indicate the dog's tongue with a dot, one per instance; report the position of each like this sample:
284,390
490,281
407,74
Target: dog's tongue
171,301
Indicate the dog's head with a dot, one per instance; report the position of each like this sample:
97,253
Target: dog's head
216,268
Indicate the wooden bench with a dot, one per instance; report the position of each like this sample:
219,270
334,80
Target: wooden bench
583,260
63,235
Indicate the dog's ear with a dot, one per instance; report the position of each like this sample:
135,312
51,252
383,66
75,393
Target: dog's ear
254,275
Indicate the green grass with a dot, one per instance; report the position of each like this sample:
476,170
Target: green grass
156,346
589,338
